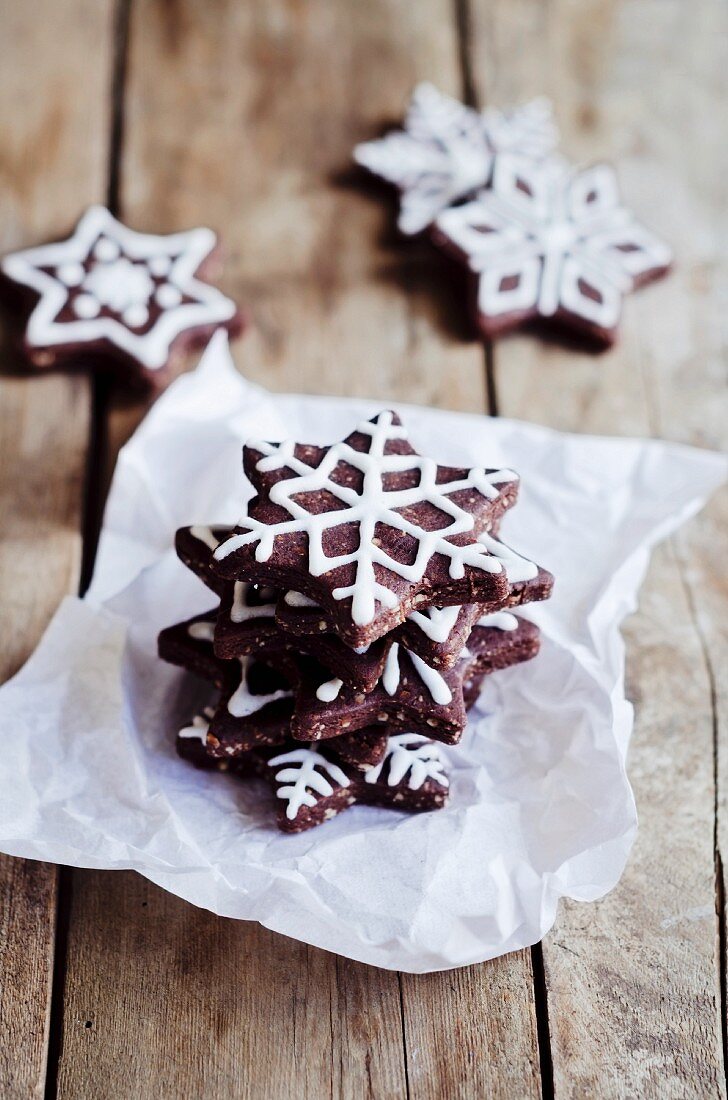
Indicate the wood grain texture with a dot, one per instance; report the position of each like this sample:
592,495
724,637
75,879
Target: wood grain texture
633,983
52,162
244,117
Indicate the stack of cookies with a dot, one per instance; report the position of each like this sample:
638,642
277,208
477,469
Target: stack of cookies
362,599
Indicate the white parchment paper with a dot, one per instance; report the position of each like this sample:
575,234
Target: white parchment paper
540,806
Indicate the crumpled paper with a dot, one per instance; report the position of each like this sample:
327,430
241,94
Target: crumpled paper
540,808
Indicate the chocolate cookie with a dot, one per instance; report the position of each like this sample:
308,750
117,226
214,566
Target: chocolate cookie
437,635
111,296
369,529
411,695
256,701
549,244
313,788
446,150
246,623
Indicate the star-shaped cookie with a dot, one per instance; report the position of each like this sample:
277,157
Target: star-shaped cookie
551,244
110,292
446,150
369,529
411,694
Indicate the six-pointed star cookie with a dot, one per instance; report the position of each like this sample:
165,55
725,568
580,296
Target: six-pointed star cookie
368,528
411,694
446,150
136,297
551,244
255,702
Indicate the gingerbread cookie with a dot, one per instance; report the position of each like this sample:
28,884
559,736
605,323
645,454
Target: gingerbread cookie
313,788
246,624
436,634
553,245
256,701
446,151
369,529
110,294
411,695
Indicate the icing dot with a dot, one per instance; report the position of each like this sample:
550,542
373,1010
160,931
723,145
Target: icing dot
106,250
167,296
86,306
134,316
70,274
160,265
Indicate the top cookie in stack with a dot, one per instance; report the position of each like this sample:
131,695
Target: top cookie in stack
372,581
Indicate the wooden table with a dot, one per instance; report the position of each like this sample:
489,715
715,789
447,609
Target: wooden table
243,116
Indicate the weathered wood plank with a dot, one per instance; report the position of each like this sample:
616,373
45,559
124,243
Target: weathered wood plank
52,161
633,983
243,117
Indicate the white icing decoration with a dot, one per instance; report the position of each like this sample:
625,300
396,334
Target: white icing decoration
206,535
436,622
243,703
202,631
106,250
297,599
86,306
99,232
541,235
431,678
160,266
501,620
167,296
374,505
71,274
446,150
329,690
119,285
517,567
410,754
199,726
240,610
308,775
135,316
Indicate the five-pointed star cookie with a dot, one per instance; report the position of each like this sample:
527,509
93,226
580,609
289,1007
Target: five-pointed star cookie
551,244
135,298
369,529
446,150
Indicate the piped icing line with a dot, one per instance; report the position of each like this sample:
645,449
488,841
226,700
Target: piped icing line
517,567
544,240
201,631
329,690
374,505
297,599
306,775
206,535
501,620
436,623
446,150
242,703
411,755
431,678
197,730
241,610
106,265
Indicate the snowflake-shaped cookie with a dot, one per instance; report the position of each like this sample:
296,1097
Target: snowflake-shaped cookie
552,244
110,289
446,150
369,528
